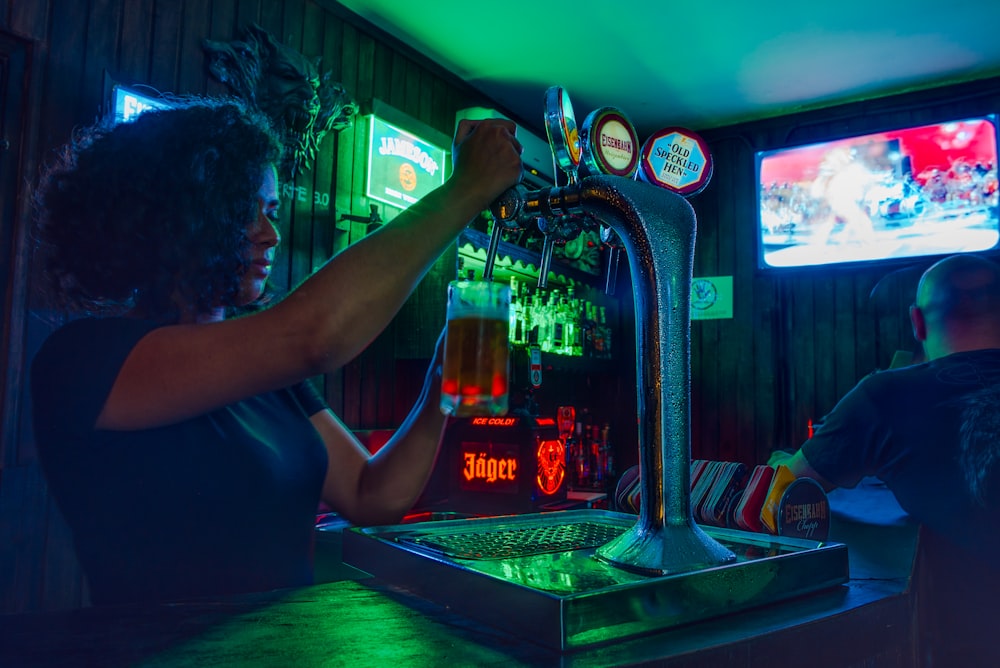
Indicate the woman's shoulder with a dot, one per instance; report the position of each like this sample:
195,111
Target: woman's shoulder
90,341
98,331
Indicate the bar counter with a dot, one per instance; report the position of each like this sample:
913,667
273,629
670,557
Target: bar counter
357,620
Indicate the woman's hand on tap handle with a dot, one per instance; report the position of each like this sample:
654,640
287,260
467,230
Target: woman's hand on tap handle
487,157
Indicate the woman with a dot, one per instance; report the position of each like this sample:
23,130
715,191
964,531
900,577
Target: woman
184,448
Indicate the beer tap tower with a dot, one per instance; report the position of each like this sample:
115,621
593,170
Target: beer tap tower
656,228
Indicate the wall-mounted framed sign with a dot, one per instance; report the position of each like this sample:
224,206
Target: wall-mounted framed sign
126,101
402,167
712,297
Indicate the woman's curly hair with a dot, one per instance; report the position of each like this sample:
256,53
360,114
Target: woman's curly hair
138,214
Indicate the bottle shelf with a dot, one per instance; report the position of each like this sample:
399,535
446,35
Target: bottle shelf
514,260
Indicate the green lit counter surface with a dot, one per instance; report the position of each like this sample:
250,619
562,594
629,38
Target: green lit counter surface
366,622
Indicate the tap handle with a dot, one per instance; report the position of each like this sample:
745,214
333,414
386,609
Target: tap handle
506,208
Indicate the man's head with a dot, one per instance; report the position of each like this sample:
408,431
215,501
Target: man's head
958,306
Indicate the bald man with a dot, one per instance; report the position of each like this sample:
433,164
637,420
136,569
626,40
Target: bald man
930,431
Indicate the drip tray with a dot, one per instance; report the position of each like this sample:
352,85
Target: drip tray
536,575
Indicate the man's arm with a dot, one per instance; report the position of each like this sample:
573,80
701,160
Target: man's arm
799,465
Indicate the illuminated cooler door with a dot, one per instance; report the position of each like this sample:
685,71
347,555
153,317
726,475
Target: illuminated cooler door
505,465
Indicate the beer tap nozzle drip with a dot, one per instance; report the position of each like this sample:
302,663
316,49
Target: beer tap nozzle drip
491,251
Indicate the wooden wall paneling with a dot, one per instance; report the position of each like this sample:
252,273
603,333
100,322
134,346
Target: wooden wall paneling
103,38
324,225
364,91
292,20
367,387
243,13
224,25
397,85
887,321
301,221
739,205
844,356
294,198
333,40
734,337
705,344
366,67
371,365
196,25
384,354
165,48
63,81
442,115
348,142
344,56
425,100
381,79
30,19
800,359
271,14
136,37
865,334
767,391
415,76
351,374
825,355
710,398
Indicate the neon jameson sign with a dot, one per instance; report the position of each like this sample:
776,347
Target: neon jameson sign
402,168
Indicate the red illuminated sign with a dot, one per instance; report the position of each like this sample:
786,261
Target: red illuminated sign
551,457
494,421
489,467
508,468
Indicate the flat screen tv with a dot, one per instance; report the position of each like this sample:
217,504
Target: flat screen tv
928,190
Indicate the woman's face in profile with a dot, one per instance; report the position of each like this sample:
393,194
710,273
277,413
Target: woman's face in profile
264,238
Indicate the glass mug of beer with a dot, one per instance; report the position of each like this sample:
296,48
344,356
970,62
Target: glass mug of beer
476,349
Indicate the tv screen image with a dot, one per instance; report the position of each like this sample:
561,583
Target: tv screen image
913,192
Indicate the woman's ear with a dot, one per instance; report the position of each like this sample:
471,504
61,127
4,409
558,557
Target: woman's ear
918,323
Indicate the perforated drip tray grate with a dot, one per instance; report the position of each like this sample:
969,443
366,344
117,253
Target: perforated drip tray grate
538,577
520,542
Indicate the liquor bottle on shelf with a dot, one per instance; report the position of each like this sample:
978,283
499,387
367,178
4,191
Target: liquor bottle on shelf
528,328
589,330
609,455
557,315
581,458
597,458
516,335
605,333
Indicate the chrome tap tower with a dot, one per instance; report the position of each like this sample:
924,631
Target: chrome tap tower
656,228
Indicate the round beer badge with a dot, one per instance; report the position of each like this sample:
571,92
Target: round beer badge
609,144
804,511
561,130
676,159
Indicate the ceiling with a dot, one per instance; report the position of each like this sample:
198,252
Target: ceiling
697,64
